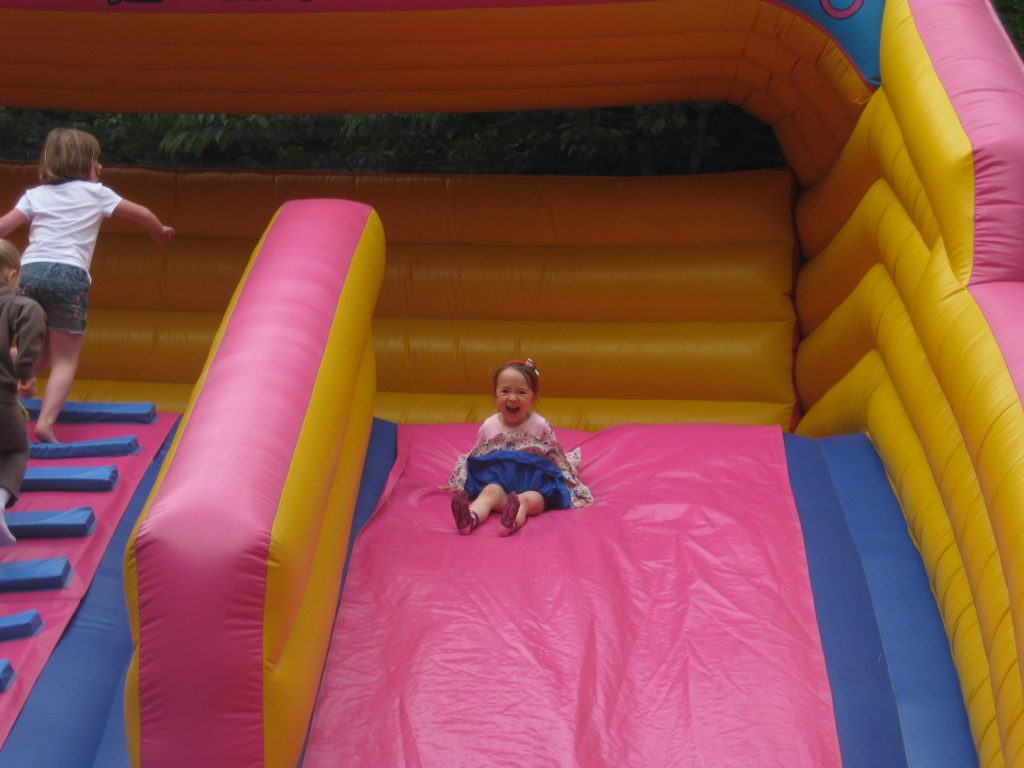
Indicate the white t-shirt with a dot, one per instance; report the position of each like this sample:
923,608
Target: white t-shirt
65,221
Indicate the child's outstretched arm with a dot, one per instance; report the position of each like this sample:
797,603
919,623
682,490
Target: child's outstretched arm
142,216
10,221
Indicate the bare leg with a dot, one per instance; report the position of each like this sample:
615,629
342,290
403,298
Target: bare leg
63,348
491,497
469,514
43,361
530,503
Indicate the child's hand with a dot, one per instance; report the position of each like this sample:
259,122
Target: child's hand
162,235
27,388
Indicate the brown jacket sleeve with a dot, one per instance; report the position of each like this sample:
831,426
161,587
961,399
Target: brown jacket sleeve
29,330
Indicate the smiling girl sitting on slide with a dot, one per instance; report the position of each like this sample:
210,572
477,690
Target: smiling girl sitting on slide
517,466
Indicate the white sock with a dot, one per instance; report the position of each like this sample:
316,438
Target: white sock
6,537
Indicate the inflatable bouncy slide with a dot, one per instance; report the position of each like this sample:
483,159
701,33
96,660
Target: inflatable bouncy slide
796,392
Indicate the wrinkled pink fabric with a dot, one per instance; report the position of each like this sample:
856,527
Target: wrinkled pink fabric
669,624
28,656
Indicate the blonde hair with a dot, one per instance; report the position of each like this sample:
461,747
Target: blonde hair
10,257
68,154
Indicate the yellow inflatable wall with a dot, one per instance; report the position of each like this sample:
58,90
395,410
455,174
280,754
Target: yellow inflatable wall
894,345
648,299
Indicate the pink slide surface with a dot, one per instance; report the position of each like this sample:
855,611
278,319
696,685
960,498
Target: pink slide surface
671,623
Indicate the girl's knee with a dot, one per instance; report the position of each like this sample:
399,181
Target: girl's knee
493,492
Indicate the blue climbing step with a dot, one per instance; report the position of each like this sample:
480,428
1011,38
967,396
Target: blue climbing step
111,446
70,478
94,413
19,625
24,575
61,523
6,674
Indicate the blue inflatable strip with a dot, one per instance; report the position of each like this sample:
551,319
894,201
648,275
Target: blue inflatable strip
19,625
74,716
6,674
23,575
934,721
75,412
111,446
865,709
381,453
112,751
70,478
79,521
380,457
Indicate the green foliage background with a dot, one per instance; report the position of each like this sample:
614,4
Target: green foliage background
655,139
642,140
1012,14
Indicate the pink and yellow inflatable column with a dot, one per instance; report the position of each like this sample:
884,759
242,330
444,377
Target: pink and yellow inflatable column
231,585
910,310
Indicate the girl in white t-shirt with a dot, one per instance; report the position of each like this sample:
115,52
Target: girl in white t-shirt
517,466
65,212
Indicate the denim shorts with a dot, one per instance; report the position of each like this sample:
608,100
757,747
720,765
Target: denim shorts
61,290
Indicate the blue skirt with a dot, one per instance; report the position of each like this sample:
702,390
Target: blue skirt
518,471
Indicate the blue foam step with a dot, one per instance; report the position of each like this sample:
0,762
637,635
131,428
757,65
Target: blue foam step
78,521
23,575
96,413
6,674
110,446
70,478
18,625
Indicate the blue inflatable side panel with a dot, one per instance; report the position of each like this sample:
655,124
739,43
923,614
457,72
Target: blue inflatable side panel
936,732
866,713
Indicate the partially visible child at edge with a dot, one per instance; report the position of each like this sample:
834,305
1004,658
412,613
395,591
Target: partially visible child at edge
517,467
22,330
65,212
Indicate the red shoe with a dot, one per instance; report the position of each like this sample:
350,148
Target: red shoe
510,512
464,516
